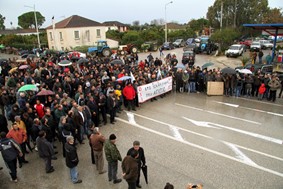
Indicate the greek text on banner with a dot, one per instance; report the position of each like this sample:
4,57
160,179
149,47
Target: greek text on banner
156,88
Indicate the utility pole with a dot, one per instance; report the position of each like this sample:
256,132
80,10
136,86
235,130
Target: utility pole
235,14
36,26
166,20
221,15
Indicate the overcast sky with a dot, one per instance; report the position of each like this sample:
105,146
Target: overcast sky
125,11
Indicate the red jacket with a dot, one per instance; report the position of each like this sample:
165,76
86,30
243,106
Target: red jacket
19,135
262,89
39,110
129,92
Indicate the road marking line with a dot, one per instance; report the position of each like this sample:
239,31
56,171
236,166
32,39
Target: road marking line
267,138
203,148
206,136
262,102
176,133
215,113
239,154
253,109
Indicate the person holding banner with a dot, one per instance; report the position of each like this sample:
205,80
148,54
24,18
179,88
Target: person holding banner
130,94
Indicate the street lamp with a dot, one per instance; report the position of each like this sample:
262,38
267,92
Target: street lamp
38,41
166,20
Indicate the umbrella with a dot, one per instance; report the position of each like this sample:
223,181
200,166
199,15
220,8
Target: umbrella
65,63
228,71
82,61
116,61
28,87
22,67
13,70
144,171
180,66
74,58
207,65
124,78
45,93
245,71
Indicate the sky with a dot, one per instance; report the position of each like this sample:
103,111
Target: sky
125,11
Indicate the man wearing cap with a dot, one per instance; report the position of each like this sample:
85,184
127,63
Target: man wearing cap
130,169
112,156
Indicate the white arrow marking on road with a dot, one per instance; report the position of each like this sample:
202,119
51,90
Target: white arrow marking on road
240,155
215,113
228,104
267,138
201,123
202,148
176,133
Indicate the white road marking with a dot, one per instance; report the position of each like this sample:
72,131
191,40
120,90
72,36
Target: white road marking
253,109
201,123
263,137
203,148
228,104
131,118
176,133
262,102
239,154
215,113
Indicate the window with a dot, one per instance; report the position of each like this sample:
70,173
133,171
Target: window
51,36
61,36
87,36
98,33
52,47
77,34
62,48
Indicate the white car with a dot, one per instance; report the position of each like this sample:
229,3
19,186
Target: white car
255,46
235,50
265,44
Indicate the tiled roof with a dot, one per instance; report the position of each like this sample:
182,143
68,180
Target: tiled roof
19,31
175,26
75,21
113,23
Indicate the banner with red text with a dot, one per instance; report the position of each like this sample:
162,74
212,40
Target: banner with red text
156,88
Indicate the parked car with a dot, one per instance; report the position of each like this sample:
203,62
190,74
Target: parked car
179,43
167,46
235,50
246,42
188,58
255,67
255,46
265,44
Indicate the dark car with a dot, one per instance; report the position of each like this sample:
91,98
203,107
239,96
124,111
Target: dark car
188,58
167,46
255,67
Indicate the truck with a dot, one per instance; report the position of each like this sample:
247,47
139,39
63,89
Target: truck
101,48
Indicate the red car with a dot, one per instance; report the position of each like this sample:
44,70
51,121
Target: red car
246,42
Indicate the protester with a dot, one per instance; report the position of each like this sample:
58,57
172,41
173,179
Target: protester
130,169
45,151
96,141
72,159
10,150
112,156
140,159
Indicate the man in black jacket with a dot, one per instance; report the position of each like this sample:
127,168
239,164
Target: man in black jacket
141,159
72,159
10,150
45,150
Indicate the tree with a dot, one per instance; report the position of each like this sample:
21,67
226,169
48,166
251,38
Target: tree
274,15
27,20
225,37
237,12
2,19
199,24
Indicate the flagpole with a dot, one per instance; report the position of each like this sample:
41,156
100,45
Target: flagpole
54,38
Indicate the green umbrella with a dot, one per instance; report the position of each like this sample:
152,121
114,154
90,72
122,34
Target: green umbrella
28,87
207,65
2,46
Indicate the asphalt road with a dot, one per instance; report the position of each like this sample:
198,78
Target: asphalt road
221,142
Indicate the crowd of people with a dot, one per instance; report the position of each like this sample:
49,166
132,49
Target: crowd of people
83,96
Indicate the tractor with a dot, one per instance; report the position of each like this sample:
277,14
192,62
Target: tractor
100,49
205,46
127,49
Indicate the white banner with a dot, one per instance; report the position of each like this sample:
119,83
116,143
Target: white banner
156,88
